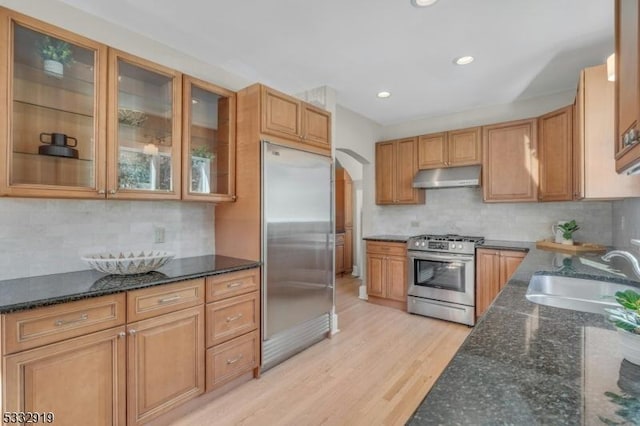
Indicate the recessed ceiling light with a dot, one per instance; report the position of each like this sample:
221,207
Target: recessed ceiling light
463,60
384,94
422,3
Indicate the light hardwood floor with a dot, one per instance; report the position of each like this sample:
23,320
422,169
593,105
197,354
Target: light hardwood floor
375,371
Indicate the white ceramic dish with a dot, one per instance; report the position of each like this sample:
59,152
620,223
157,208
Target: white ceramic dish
128,262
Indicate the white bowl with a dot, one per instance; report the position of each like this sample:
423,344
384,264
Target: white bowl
128,262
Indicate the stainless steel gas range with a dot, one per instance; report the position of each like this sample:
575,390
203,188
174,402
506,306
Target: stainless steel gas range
442,277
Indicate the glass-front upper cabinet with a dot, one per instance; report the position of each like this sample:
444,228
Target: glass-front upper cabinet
208,139
53,131
144,131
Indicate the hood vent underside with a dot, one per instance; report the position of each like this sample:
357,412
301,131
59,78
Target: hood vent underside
451,177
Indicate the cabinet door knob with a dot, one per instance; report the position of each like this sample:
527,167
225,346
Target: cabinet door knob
132,332
121,334
101,192
112,191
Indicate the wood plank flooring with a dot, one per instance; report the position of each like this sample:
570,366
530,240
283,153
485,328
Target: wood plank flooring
375,371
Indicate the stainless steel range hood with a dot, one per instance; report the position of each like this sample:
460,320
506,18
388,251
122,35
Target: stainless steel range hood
451,177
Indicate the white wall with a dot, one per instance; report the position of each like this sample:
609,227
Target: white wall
359,134
95,28
39,236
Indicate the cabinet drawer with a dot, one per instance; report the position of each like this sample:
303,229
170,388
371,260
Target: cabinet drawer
162,299
229,360
37,327
232,284
392,249
233,317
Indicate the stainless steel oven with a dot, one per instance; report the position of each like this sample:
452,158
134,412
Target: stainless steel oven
442,277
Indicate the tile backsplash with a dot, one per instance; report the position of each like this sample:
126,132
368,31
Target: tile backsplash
461,211
626,222
39,237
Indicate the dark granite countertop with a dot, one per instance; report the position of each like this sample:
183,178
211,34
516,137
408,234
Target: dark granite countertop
389,238
27,293
525,363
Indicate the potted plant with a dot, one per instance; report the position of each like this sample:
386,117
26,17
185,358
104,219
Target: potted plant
55,54
567,229
626,318
201,169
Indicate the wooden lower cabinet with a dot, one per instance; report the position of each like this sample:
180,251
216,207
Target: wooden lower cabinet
165,363
387,274
339,253
493,270
232,328
81,380
83,362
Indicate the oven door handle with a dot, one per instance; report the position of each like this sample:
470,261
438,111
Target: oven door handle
422,256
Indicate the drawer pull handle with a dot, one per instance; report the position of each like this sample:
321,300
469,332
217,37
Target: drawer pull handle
169,299
234,360
234,284
233,318
60,323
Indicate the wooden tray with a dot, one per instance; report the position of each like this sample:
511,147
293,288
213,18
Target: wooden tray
575,248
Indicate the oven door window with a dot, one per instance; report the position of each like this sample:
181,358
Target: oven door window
446,275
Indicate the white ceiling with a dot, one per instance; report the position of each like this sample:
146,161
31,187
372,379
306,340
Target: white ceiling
523,48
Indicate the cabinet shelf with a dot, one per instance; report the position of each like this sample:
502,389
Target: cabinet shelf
52,157
70,82
50,108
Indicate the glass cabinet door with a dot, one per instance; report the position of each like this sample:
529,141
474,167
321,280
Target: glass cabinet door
54,137
209,142
144,129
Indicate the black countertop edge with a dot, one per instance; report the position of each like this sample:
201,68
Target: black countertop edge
388,238
84,285
507,245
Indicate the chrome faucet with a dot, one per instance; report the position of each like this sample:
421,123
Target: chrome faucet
627,255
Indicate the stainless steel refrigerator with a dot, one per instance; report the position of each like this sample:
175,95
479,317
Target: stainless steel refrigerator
297,251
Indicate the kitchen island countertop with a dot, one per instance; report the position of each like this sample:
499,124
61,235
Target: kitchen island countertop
32,292
525,363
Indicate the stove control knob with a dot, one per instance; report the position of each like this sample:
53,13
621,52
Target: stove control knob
422,244
459,246
417,243
452,246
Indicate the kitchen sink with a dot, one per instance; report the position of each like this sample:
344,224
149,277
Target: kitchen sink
577,294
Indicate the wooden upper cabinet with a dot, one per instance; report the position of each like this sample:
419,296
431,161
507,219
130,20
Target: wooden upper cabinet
448,149
627,89
284,116
465,147
52,124
432,151
316,126
208,141
555,134
385,172
396,166
594,164
510,164
406,169
144,129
